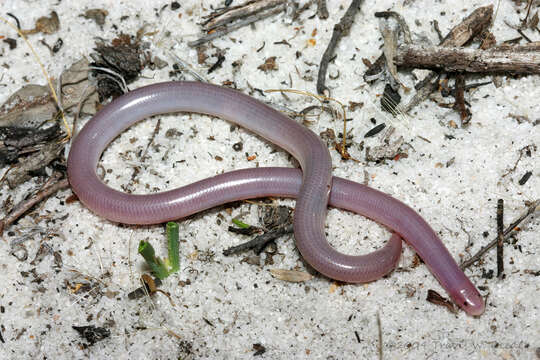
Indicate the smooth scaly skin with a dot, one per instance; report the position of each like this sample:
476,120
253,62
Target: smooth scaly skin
311,187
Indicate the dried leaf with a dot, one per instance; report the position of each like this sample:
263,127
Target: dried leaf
32,105
20,173
435,298
46,25
29,106
98,15
291,275
386,151
92,334
75,86
269,65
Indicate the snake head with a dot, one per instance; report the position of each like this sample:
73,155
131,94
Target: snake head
470,300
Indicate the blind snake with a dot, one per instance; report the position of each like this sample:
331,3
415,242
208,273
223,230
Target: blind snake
311,186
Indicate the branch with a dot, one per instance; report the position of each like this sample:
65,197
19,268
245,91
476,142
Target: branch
340,29
471,26
535,206
249,17
508,59
27,204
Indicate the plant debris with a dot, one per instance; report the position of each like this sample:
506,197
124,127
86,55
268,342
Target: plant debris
32,105
16,141
46,25
38,160
92,334
269,64
531,209
341,29
291,275
388,149
150,287
232,18
124,59
277,222
29,107
435,298
98,15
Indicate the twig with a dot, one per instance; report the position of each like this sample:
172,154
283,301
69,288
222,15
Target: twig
322,10
340,29
217,65
151,140
88,90
234,13
437,30
524,21
459,95
531,209
25,205
508,59
500,238
248,20
259,242
186,67
524,36
472,25
380,345
390,32
404,27
529,148
16,20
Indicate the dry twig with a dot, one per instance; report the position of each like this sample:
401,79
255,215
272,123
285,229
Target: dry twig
248,18
340,29
24,206
471,26
509,59
535,206
500,238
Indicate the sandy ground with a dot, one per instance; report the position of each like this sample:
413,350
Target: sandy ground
222,307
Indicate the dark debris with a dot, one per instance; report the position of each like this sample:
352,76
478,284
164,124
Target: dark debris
92,334
125,57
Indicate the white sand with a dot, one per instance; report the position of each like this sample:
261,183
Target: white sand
231,305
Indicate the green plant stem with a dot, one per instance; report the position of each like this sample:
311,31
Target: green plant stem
172,238
158,267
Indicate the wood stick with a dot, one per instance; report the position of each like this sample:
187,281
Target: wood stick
25,205
340,29
241,11
471,26
322,10
500,238
507,59
535,206
241,23
259,242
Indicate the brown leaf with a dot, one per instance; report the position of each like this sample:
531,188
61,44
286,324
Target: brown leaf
98,15
46,25
269,65
435,298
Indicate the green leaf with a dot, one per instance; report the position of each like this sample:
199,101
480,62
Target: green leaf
240,224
